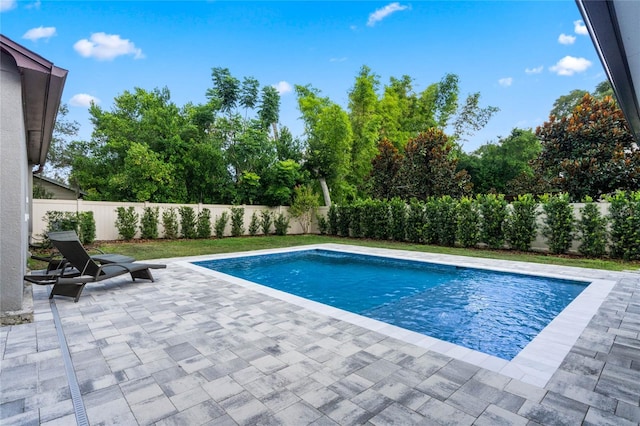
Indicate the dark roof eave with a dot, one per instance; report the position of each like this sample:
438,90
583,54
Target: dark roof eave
58,184
42,84
601,21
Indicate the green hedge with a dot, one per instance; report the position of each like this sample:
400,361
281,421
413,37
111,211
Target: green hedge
491,220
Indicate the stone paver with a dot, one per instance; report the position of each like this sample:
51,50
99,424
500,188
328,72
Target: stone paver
193,348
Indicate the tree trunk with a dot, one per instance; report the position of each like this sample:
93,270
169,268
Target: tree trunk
325,191
274,125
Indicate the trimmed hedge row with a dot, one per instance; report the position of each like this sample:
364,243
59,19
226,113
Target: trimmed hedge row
180,222
490,221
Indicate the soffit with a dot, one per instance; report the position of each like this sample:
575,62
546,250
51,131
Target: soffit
614,29
42,85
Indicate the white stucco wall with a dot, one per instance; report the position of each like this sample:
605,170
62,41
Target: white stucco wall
14,186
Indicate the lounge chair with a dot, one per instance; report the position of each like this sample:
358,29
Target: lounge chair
84,268
55,260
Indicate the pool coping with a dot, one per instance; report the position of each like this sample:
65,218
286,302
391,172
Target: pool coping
535,364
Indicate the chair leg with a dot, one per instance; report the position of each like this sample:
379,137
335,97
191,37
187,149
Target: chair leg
68,290
144,274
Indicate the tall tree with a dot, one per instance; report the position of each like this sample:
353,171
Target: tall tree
471,117
365,124
329,136
148,149
226,89
384,171
429,168
493,167
60,154
249,93
565,104
591,152
446,99
288,147
269,112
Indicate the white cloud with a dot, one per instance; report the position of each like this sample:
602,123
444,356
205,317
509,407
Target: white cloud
580,28
570,65
7,5
536,70
35,34
506,81
353,27
338,59
83,100
382,13
283,87
566,39
106,47
35,5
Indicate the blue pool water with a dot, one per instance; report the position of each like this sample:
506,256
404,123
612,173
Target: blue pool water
492,312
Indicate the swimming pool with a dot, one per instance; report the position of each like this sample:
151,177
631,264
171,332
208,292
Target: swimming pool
492,312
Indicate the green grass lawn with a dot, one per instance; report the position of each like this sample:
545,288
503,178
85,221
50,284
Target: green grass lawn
157,249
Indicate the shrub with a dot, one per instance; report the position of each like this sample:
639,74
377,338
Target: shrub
87,227
187,222
127,222
170,223
468,226
493,210
521,223
624,217
149,223
254,225
203,225
323,225
344,220
59,221
415,220
304,206
398,211
367,218
281,224
430,223
266,219
237,221
221,224
356,212
558,223
381,219
332,220
82,223
592,229
446,220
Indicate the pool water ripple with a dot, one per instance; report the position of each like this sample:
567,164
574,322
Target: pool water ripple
492,312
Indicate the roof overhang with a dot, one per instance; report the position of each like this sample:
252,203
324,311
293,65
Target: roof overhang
42,85
614,29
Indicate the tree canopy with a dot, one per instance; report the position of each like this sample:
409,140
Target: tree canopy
496,167
233,149
149,149
589,153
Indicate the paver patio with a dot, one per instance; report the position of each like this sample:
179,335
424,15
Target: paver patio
192,348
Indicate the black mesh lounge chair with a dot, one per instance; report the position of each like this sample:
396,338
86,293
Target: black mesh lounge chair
84,268
56,261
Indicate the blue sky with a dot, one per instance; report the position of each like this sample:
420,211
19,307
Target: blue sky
519,55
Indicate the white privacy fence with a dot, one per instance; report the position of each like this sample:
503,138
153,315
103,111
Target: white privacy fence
105,216
104,213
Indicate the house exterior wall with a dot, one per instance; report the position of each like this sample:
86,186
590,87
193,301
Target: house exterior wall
14,186
58,192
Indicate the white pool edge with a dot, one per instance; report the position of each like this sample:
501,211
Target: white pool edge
535,364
